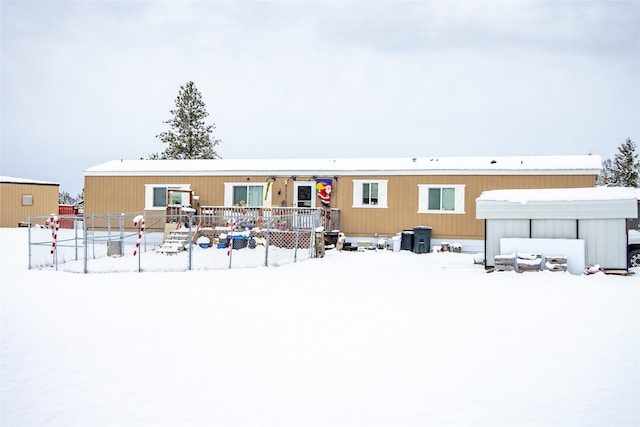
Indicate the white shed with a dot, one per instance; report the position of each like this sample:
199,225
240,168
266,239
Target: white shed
544,218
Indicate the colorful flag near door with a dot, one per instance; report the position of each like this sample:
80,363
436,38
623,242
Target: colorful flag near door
323,189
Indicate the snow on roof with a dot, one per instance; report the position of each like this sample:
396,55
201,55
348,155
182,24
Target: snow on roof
14,180
586,164
524,196
558,203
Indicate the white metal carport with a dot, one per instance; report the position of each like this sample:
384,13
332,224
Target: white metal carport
598,216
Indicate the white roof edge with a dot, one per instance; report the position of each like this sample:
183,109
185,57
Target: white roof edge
322,173
568,165
15,180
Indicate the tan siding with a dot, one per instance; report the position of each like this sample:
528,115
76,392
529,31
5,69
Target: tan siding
126,194
45,202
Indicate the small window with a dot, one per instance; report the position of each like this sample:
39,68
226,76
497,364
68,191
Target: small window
155,197
159,196
441,199
371,194
250,195
27,200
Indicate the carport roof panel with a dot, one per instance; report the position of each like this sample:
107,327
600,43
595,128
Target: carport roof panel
558,203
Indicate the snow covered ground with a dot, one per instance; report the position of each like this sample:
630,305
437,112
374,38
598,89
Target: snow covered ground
372,338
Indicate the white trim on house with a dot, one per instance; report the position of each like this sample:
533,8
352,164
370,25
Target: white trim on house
523,165
423,198
314,194
228,193
148,195
381,202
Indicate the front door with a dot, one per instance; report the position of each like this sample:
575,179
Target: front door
304,195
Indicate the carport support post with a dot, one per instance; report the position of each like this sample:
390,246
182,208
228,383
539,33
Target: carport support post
485,244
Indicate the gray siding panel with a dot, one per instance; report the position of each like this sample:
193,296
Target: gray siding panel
554,228
606,242
499,228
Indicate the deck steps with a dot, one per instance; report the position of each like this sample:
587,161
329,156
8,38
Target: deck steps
175,242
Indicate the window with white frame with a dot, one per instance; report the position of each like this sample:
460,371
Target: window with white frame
155,195
441,198
246,194
369,193
27,200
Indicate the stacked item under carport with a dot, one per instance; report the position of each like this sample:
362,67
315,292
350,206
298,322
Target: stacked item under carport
505,262
555,263
528,262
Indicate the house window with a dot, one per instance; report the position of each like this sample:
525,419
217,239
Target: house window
441,198
155,195
369,194
27,200
243,194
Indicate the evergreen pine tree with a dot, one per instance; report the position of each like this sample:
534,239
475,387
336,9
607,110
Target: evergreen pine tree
606,174
625,166
188,137
65,198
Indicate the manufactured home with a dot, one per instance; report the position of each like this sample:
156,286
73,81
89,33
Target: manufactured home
23,198
364,197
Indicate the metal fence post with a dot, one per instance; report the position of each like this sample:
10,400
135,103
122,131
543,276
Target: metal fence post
190,245
75,233
122,234
86,247
29,233
139,248
230,237
93,241
295,246
266,245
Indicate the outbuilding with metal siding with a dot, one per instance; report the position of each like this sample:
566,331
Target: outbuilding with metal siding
23,198
598,216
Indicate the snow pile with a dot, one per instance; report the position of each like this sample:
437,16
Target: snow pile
356,338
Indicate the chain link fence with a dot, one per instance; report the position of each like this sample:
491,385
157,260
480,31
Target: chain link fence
136,242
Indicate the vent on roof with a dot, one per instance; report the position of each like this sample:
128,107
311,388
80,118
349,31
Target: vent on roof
493,162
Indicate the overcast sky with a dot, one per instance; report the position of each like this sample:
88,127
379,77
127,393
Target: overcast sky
85,82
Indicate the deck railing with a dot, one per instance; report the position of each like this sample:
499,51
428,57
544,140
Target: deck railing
282,218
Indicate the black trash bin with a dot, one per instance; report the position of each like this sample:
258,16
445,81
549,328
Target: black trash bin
406,240
422,239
